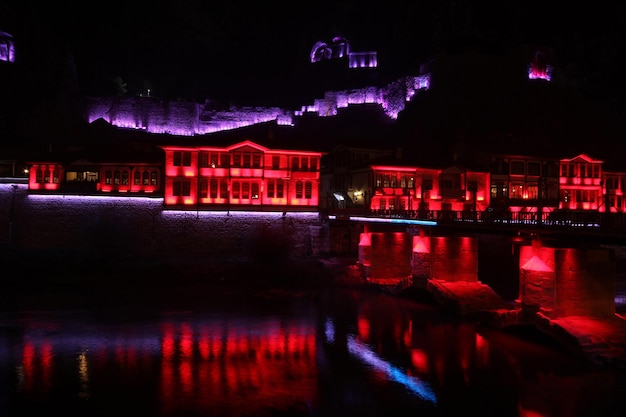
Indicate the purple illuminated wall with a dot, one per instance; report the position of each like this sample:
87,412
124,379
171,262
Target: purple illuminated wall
189,119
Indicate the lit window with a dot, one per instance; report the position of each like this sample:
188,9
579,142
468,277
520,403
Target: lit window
125,177
116,178
146,178
108,177
137,178
153,178
494,190
255,191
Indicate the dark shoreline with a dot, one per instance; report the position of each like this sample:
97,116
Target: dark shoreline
166,284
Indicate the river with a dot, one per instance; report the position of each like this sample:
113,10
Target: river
330,352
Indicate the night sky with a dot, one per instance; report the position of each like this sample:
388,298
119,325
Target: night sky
194,49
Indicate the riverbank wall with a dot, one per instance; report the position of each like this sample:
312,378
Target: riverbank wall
66,231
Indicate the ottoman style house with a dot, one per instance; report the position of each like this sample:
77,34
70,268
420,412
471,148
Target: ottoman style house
244,175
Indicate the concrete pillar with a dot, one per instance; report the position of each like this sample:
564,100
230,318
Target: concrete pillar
420,262
561,282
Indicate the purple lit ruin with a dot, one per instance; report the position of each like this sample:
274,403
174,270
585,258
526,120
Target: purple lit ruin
7,47
188,119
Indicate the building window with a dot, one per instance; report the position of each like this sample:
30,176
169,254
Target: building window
245,190
146,178
256,160
298,189
313,164
494,190
295,163
237,160
38,175
108,177
202,188
203,159
223,189
137,178
308,188
213,189
236,190
154,178
116,178
534,169
517,191
275,162
46,176
254,191
55,176
280,189
181,188
182,158
125,177
517,168
271,189
532,191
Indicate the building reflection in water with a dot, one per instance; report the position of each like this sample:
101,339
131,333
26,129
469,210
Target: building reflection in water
237,365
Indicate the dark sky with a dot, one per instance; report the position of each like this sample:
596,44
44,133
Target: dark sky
195,49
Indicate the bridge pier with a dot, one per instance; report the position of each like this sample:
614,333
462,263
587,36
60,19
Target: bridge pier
566,281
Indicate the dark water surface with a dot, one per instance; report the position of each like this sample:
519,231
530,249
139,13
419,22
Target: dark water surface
300,353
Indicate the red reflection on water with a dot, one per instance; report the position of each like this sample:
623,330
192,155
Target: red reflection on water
231,364
46,364
28,365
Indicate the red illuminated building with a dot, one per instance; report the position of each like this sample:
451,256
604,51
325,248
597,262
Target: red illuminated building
581,184
244,175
